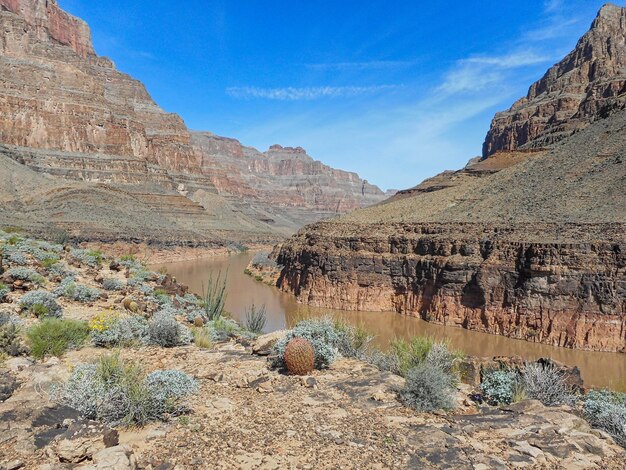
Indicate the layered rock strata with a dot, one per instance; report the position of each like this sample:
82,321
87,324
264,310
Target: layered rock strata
66,112
588,84
526,243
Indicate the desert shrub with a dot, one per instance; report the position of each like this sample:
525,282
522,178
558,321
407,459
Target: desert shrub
168,385
71,290
53,336
223,328
27,274
256,318
4,291
403,355
165,331
61,237
546,384
41,303
354,340
202,337
108,330
263,260
18,258
11,229
500,385
429,388
607,410
92,258
130,262
48,263
62,270
113,284
322,335
442,357
10,339
214,298
117,392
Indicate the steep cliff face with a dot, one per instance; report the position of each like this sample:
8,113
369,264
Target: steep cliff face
66,112
529,244
588,84
57,94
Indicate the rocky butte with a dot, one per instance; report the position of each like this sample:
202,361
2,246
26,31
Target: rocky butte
527,241
85,149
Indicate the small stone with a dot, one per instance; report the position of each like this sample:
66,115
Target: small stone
13,465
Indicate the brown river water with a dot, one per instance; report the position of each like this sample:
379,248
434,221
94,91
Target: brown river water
598,369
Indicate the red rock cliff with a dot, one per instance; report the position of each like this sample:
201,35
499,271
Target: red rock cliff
588,84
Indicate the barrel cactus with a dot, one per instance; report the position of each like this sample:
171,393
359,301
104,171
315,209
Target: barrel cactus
299,357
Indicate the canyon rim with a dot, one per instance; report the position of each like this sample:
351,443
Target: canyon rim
526,241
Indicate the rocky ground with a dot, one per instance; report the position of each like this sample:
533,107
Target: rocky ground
247,415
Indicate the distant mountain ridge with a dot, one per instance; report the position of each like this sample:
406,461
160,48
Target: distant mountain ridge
66,112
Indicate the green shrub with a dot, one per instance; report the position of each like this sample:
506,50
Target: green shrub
404,355
214,298
49,262
607,410
355,340
52,337
118,393
500,385
256,318
4,290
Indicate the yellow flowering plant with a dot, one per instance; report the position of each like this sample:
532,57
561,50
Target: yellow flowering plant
103,321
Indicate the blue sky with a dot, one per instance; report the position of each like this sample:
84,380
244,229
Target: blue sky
395,90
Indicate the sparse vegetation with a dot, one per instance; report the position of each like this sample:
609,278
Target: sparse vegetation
113,284
54,336
500,385
202,338
27,274
117,392
429,388
214,297
41,303
256,318
607,411
72,290
110,330
546,384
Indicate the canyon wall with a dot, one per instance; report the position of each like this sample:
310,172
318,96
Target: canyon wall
588,84
529,242
68,113
469,275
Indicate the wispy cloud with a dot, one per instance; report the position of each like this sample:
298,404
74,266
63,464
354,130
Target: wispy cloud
306,93
477,73
368,65
551,6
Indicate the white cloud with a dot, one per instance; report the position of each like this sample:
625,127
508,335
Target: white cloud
307,93
478,73
369,65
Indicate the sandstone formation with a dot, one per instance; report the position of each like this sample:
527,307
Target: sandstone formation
588,84
66,112
282,186
529,243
